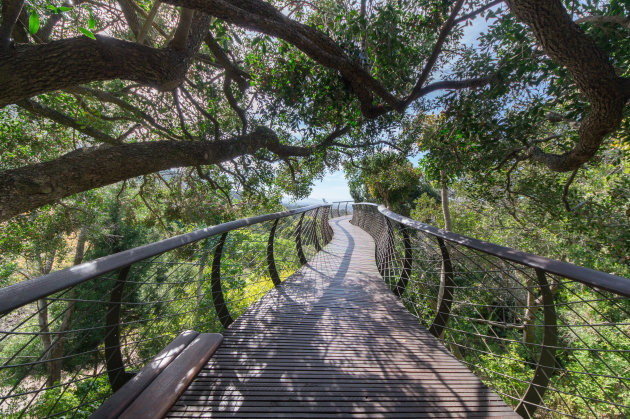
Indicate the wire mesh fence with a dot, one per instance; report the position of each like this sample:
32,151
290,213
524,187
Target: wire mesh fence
341,208
70,339
551,338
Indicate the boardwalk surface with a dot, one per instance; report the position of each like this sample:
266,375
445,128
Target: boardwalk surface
333,341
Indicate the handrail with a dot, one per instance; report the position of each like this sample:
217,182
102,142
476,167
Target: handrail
25,292
339,210
543,334
598,279
111,315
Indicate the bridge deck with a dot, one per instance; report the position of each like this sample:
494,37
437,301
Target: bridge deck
333,341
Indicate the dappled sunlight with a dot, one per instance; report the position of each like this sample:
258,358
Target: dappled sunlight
334,339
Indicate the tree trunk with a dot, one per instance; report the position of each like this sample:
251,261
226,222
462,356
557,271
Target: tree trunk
57,346
447,227
529,329
42,314
445,208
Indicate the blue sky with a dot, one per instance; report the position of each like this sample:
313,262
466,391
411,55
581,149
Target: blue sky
334,187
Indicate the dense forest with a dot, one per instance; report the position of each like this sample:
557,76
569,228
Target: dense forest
124,122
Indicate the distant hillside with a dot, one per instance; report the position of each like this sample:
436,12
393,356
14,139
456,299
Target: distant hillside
301,203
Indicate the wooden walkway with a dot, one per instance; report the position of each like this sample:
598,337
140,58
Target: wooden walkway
333,341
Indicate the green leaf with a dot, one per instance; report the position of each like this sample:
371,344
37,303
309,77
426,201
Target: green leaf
33,22
87,33
64,8
91,23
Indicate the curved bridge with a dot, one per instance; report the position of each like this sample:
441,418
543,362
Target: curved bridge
333,340
307,313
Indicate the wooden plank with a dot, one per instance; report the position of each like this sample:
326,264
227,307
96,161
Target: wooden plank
116,404
333,341
161,394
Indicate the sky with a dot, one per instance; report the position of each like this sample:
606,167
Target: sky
334,187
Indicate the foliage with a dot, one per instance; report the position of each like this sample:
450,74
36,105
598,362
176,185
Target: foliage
387,178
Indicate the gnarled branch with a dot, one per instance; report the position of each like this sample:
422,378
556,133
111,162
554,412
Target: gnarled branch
564,41
32,186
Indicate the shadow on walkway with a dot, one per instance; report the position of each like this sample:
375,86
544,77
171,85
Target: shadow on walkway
334,341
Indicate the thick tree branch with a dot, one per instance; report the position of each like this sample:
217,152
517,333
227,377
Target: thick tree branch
130,16
262,17
29,70
26,71
568,45
183,28
29,187
54,115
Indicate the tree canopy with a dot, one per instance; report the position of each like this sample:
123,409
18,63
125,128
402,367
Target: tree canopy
252,96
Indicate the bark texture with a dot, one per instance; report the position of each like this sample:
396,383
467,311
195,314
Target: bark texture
27,70
70,62
29,187
568,45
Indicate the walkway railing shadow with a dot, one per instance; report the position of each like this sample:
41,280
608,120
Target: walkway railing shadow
71,338
311,359
550,337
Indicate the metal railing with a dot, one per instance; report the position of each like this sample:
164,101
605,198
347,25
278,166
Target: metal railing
71,338
341,208
552,338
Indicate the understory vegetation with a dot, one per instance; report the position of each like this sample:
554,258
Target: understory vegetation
124,122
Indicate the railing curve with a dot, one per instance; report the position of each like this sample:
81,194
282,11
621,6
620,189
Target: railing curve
129,305
550,337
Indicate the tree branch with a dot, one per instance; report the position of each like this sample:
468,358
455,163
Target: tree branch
11,10
29,187
435,53
235,73
183,27
197,106
565,192
130,16
480,10
110,98
598,20
564,41
148,22
227,91
180,114
453,85
45,31
29,70
54,115
206,177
